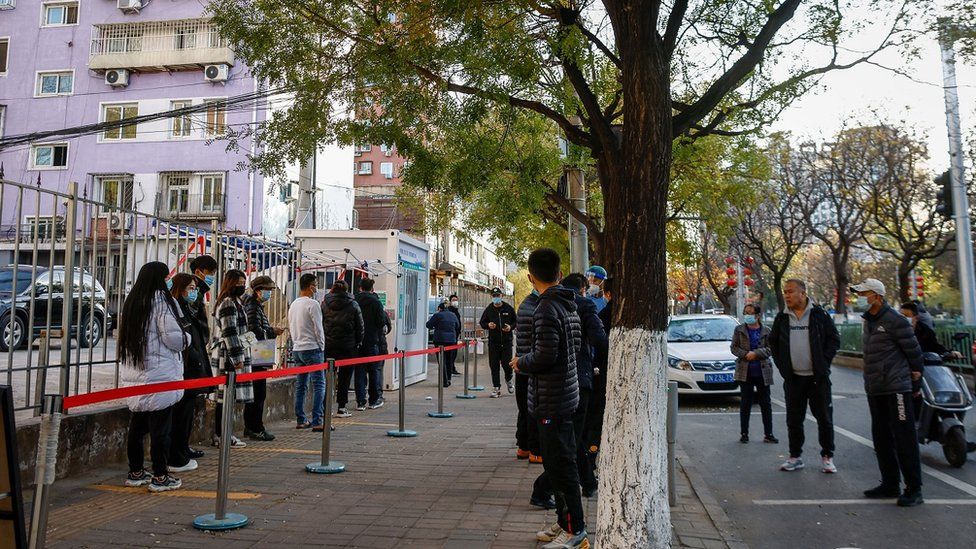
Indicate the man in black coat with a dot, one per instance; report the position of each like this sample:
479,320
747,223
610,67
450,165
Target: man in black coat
554,392
376,325
452,306
598,401
344,332
526,431
499,320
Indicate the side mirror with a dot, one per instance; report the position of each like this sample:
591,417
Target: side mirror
40,290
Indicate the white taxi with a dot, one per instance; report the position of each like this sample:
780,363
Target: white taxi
699,355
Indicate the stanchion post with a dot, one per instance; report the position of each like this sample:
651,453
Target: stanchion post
440,413
474,378
467,360
44,361
220,519
44,471
325,465
401,432
672,431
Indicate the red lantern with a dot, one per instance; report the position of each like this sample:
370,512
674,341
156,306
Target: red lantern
681,297
749,260
748,282
730,283
730,271
919,278
921,293
920,286
729,260
747,271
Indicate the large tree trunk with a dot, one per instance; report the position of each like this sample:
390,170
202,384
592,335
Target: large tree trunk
633,507
841,279
778,288
904,280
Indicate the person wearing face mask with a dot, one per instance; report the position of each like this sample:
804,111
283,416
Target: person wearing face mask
452,306
925,335
258,324
892,368
498,319
595,276
753,371
803,342
230,350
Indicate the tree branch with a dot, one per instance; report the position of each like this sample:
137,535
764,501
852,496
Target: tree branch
675,19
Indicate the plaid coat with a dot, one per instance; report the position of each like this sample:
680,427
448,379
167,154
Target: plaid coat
231,324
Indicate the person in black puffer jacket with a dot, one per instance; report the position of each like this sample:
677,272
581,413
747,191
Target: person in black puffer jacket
344,332
376,325
526,431
554,388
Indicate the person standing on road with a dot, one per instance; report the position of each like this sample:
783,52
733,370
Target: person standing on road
258,324
151,341
453,306
526,430
446,328
231,323
554,396
343,322
892,365
499,319
376,325
804,341
753,371
308,348
196,364
595,276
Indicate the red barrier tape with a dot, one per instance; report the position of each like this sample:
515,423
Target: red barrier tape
365,360
419,352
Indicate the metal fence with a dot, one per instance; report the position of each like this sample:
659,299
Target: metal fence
955,337
46,234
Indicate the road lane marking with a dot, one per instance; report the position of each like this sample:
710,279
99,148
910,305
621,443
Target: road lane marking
771,502
946,478
202,494
720,413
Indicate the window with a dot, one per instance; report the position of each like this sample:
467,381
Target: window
8,4
114,113
45,227
182,125
213,192
386,168
4,47
216,118
60,13
3,116
185,38
49,156
411,283
55,83
178,193
365,168
364,148
116,192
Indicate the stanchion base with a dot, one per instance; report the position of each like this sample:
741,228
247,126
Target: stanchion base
464,396
229,522
476,388
401,434
440,414
329,468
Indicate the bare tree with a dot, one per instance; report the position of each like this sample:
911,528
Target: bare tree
713,268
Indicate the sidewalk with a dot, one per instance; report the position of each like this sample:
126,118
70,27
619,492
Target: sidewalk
456,485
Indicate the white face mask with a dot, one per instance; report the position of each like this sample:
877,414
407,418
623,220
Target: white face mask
862,301
454,304
593,290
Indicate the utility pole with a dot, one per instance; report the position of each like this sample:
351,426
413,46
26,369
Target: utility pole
579,251
964,242
306,194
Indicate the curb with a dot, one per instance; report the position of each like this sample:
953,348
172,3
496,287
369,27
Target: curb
715,511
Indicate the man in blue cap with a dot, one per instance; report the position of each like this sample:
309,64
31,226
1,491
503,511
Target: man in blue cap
595,276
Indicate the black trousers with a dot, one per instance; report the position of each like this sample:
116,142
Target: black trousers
594,411
560,475
157,425
526,431
752,391
895,439
344,378
254,410
447,368
183,413
583,463
801,392
500,358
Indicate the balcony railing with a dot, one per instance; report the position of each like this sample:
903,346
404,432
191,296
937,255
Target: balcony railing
158,45
175,205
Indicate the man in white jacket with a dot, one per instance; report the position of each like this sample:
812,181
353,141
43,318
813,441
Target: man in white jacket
308,347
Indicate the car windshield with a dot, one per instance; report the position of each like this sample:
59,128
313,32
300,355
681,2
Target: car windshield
7,280
701,329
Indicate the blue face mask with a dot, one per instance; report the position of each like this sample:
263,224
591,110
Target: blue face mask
265,295
169,283
210,280
749,319
192,295
496,300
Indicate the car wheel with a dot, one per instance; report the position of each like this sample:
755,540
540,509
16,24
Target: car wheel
90,332
12,334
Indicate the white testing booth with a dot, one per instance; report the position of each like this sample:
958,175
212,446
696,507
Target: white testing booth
400,265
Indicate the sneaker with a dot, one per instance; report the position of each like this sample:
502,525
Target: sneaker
569,541
910,498
522,454
190,465
828,465
535,459
318,428
195,454
234,442
342,412
263,435
548,503
377,404
361,407
744,438
882,492
165,483
792,464
304,425
496,392
511,387
550,533
770,439
589,491
138,478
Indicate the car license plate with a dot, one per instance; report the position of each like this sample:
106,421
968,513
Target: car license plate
719,378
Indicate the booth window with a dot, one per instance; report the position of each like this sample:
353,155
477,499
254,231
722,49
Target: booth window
411,282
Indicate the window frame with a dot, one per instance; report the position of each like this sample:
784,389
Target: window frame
5,58
183,189
32,157
186,120
392,170
45,6
60,73
121,129
124,199
216,199
364,164
3,119
218,126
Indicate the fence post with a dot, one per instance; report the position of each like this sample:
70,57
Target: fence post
467,360
220,519
45,468
672,431
440,413
325,465
401,432
71,219
474,383
43,361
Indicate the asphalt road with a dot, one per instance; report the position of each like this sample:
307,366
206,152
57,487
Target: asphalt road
775,509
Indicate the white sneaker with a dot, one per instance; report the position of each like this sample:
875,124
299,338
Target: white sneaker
234,442
342,412
496,392
190,465
550,533
828,465
511,387
560,541
792,464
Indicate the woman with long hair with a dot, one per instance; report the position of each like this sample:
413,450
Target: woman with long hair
231,348
196,364
151,340
753,371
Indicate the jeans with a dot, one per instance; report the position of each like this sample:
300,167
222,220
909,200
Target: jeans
182,423
583,463
801,391
526,431
307,358
558,442
254,410
755,390
157,425
500,357
895,440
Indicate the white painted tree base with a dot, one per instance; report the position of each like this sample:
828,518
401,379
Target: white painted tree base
633,509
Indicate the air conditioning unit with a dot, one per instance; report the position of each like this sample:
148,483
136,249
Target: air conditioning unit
216,73
8,4
118,221
117,78
130,6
